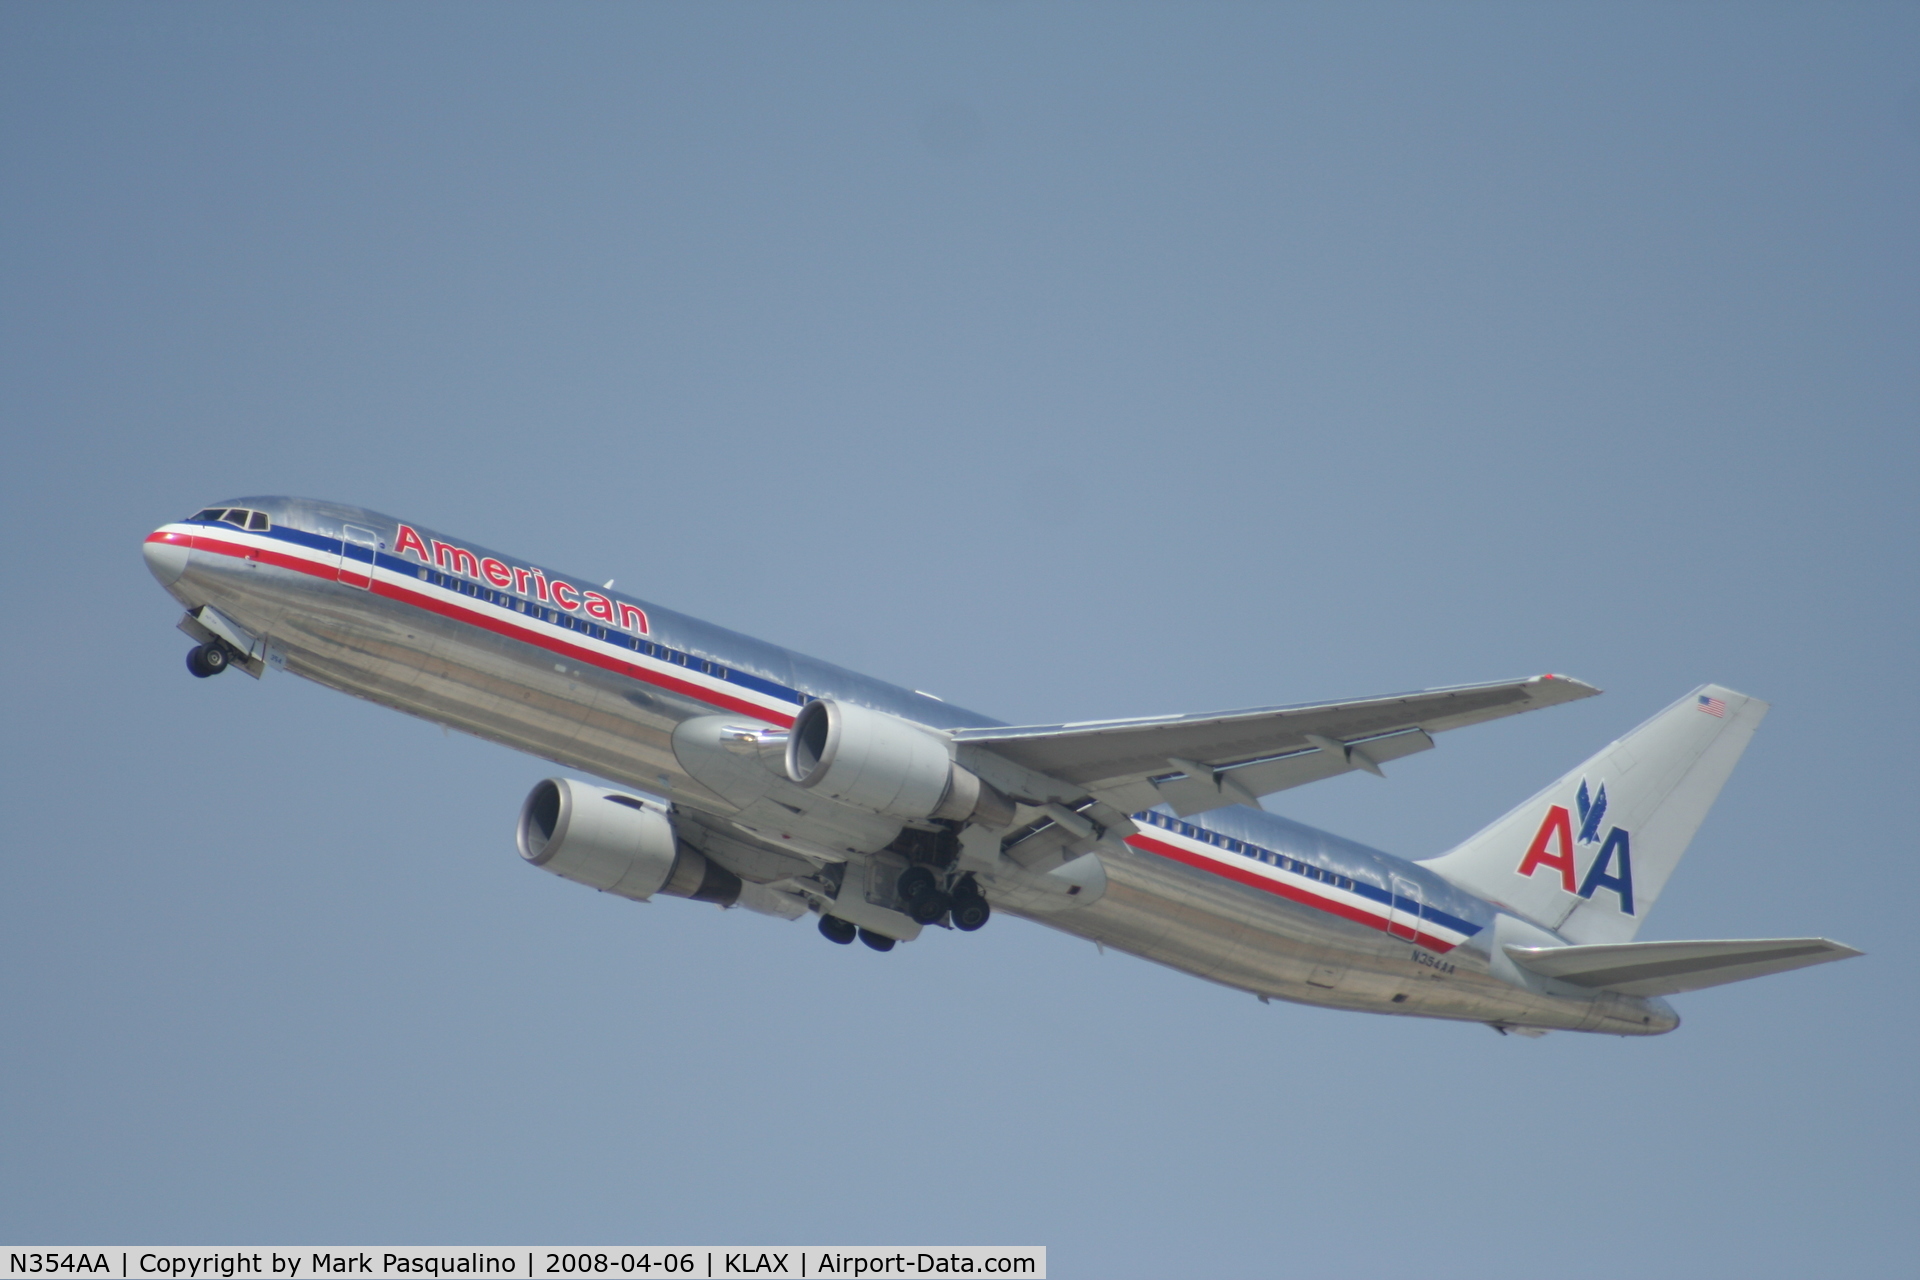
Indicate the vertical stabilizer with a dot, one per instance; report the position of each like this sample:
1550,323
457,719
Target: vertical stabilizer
1588,856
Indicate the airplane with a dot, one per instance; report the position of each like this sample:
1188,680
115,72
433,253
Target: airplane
747,775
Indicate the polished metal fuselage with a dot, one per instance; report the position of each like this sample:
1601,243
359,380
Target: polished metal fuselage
388,648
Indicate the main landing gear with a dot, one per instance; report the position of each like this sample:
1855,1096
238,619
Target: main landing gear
961,903
927,902
208,659
834,929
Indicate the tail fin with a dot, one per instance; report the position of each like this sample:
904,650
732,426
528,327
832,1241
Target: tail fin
1589,855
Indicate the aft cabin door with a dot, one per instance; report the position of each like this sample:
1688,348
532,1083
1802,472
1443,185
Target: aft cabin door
357,550
1403,916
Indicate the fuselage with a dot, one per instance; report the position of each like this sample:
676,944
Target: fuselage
596,680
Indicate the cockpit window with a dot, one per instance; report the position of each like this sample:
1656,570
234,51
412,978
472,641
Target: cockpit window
238,517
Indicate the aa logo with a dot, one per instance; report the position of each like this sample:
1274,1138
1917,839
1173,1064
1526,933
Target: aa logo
1554,845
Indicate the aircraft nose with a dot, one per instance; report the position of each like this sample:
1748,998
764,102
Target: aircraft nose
166,555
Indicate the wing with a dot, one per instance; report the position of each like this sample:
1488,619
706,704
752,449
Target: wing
1668,968
1200,762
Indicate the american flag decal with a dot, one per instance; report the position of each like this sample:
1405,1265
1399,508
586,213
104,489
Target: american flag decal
1713,706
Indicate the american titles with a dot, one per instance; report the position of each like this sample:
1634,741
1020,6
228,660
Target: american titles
530,583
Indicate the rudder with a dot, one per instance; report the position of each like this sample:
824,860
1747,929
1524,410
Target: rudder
1588,856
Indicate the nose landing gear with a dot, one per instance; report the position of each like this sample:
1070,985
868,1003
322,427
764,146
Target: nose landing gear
208,659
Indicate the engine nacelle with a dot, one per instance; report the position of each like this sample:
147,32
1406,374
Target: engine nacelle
875,761
616,843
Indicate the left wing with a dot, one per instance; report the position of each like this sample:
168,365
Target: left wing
1200,762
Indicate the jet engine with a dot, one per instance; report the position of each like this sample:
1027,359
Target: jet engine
875,761
616,843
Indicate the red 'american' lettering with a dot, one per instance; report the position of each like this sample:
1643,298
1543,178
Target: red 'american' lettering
465,563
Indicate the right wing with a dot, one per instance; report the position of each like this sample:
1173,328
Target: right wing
1200,762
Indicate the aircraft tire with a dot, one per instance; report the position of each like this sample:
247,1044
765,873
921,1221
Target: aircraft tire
930,907
834,929
970,911
206,660
916,883
878,941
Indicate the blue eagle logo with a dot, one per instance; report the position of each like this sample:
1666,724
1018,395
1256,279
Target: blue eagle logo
1593,810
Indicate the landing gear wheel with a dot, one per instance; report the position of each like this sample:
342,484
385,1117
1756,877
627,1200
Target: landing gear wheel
878,941
931,907
834,929
916,883
207,660
970,911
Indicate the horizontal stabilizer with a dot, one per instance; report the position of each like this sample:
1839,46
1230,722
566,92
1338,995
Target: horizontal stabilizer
1668,968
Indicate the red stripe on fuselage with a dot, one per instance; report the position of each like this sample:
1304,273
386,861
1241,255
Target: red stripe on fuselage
1293,893
499,626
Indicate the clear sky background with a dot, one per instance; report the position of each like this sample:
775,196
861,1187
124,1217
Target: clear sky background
1065,361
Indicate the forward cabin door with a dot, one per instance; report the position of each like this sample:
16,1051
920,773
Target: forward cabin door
357,550
1403,915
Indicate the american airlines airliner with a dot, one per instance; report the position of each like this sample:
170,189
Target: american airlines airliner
747,775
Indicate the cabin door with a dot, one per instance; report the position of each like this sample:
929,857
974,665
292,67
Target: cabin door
1403,915
357,549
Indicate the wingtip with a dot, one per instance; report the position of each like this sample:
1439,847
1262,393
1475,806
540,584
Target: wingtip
1566,688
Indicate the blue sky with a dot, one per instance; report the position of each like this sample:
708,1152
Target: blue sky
1065,361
